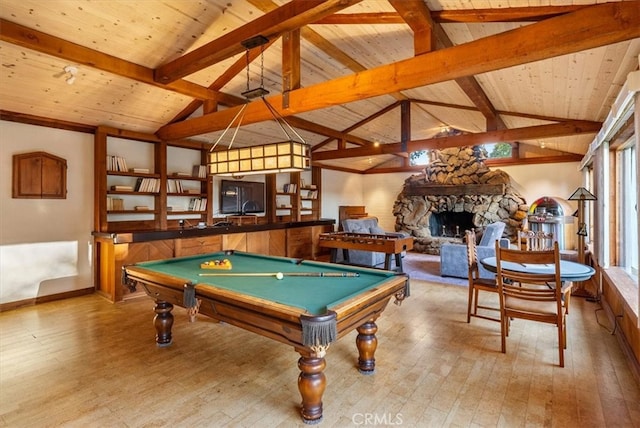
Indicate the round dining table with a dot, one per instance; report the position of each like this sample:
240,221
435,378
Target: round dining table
569,271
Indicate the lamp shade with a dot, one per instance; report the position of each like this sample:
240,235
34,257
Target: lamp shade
582,194
287,156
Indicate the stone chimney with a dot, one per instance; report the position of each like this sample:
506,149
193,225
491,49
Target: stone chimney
456,192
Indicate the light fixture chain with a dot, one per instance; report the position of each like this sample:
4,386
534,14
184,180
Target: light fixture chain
262,66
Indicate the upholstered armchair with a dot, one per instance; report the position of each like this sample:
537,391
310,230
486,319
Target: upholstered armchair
453,257
366,225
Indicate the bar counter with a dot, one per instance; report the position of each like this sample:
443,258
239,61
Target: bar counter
113,250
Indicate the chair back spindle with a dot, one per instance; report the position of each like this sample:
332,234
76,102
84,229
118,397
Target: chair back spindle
536,240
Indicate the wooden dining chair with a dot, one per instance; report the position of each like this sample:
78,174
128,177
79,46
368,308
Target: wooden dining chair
535,240
541,241
527,296
477,284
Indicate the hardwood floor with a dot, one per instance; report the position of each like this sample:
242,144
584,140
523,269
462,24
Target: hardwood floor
85,362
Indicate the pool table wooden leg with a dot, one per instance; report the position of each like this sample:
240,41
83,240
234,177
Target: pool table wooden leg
311,384
163,321
367,342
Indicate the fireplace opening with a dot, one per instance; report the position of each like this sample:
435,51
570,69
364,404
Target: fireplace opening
450,224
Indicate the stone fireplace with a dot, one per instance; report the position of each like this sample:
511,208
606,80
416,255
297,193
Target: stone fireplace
457,192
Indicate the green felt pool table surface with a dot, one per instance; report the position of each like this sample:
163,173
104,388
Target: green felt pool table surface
314,295
306,312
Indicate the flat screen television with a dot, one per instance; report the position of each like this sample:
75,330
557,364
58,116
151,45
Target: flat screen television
241,197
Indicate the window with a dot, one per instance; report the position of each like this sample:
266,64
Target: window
628,210
419,157
498,150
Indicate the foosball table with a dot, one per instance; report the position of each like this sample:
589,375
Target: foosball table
390,245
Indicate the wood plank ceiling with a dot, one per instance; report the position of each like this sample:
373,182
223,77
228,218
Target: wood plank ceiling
363,82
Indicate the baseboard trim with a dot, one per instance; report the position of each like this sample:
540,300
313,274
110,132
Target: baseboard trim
43,299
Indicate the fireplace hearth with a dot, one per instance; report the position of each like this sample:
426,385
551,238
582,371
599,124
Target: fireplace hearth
457,192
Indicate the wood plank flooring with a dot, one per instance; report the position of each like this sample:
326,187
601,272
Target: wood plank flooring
85,362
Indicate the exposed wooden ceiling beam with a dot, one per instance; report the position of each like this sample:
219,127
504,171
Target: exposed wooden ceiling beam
509,14
359,124
336,168
330,49
337,54
583,29
416,14
495,163
321,43
11,116
500,112
567,157
316,128
272,25
290,62
505,135
40,42
476,94
238,66
392,169
232,100
362,18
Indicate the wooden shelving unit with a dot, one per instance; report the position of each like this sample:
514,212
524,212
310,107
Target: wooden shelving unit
300,202
167,205
115,209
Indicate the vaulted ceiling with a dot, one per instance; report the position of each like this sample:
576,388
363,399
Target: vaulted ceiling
363,82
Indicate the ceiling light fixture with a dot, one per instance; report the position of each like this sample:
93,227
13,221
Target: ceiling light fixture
71,71
286,156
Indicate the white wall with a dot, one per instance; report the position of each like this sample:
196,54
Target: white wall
559,180
379,191
45,243
340,188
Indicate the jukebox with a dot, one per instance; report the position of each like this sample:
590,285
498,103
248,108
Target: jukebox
554,215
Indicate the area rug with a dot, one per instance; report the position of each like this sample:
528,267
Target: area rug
426,267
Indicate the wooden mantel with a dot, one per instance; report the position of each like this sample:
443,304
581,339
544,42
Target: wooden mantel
453,189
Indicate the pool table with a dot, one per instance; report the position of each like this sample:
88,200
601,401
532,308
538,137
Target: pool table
305,304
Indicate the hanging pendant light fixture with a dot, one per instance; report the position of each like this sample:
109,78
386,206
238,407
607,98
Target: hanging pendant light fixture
286,156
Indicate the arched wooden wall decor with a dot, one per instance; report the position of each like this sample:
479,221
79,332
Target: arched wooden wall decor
39,175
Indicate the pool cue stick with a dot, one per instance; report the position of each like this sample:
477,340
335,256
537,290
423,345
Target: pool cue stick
323,274
309,274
